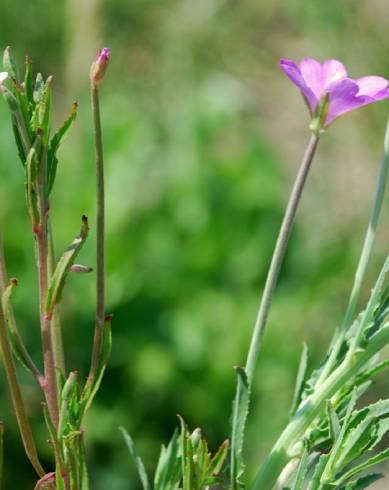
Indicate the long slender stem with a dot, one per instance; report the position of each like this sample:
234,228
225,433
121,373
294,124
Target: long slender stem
100,260
278,256
363,260
50,381
17,399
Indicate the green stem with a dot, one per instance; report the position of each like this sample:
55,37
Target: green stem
312,407
100,251
50,380
278,256
363,261
17,399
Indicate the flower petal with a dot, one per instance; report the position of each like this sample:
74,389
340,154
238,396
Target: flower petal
342,98
333,71
293,72
371,85
312,73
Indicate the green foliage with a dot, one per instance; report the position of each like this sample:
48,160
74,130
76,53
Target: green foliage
185,463
240,410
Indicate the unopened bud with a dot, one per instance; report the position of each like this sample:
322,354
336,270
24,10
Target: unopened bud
99,66
81,269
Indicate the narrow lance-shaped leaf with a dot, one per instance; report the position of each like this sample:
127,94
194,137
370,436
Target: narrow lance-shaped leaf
68,391
337,447
63,267
240,412
218,459
187,458
363,482
18,347
333,422
28,88
301,469
52,161
374,460
137,459
32,168
318,472
44,108
301,373
91,388
9,64
168,473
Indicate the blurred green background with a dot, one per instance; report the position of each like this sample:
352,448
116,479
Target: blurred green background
203,135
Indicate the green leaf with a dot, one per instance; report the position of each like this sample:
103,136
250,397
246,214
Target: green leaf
137,460
333,421
218,460
333,457
52,161
187,458
363,482
9,64
301,469
239,416
168,473
28,87
301,373
17,344
32,169
90,390
374,460
59,276
318,472
68,417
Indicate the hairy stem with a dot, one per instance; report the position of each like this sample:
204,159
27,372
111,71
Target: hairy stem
100,259
17,400
278,256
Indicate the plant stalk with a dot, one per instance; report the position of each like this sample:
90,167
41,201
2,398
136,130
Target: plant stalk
100,250
50,381
278,256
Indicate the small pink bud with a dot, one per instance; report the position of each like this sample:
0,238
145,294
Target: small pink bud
99,66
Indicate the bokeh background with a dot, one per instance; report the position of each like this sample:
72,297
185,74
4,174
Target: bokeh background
203,135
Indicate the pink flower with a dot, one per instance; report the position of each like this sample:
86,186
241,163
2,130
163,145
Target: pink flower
319,83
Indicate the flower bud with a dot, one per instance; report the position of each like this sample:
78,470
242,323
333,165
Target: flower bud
81,269
99,66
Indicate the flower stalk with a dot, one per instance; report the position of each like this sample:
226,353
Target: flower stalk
278,255
97,72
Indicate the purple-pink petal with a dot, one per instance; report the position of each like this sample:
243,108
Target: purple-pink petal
316,81
311,71
332,71
342,98
371,85
292,71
